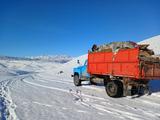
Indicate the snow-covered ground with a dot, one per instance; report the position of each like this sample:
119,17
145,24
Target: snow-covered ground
36,90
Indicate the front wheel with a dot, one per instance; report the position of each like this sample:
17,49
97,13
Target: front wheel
76,80
114,88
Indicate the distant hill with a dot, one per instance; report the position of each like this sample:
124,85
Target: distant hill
49,58
53,58
13,58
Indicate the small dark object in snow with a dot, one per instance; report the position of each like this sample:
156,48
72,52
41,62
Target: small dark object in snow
135,108
60,72
70,90
76,99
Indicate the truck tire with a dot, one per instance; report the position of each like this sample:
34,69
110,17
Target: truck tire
76,80
114,88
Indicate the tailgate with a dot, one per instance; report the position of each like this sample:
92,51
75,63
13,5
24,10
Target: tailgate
150,70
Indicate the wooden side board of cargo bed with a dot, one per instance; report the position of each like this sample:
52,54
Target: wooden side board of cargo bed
125,63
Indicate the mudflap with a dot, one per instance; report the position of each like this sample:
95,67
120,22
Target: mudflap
141,89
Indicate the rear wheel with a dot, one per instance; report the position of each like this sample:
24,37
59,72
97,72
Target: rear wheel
114,88
76,80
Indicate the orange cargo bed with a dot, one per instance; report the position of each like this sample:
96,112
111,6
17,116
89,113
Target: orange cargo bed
124,63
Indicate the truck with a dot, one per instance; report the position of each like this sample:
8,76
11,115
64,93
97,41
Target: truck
126,71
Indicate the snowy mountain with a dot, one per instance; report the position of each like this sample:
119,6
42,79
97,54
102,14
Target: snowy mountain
154,43
49,58
13,58
53,58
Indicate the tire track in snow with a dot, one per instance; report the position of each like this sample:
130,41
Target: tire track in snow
7,105
67,91
93,87
54,79
95,106
58,89
109,110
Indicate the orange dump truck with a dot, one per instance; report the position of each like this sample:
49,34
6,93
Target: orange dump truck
126,71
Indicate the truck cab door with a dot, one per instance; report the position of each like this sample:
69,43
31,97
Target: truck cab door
84,70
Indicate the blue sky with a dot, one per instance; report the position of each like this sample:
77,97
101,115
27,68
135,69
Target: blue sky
54,27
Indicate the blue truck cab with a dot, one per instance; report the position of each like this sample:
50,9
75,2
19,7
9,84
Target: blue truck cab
80,74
